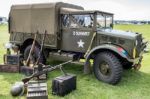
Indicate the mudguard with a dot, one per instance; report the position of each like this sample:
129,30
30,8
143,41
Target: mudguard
114,48
117,49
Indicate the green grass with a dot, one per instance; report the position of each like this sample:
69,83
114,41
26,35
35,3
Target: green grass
4,37
134,84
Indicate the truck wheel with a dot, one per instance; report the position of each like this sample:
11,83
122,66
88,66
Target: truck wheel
107,68
34,55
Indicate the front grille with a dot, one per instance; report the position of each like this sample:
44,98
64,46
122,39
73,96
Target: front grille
104,38
121,41
112,39
139,44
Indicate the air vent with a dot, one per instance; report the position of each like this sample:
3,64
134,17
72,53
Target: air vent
104,38
120,41
112,39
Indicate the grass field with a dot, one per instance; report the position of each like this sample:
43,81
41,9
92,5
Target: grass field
134,84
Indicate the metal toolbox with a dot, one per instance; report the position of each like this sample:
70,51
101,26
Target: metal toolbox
63,85
37,90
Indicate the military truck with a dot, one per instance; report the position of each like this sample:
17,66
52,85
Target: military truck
73,33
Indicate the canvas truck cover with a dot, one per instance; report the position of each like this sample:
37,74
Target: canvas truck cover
36,17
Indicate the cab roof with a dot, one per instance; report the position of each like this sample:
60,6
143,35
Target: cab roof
77,11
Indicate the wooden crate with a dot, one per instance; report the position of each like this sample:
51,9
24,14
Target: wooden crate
9,68
37,90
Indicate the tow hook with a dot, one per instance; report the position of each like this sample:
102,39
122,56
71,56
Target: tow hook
137,66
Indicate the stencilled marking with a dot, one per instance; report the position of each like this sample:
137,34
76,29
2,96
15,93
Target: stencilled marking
80,44
76,33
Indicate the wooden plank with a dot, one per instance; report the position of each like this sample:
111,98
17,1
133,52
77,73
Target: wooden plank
9,68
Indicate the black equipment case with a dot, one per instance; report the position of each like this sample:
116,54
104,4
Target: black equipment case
11,63
12,59
63,85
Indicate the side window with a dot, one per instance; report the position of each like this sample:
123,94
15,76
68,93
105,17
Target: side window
65,20
88,21
108,21
81,21
77,21
74,21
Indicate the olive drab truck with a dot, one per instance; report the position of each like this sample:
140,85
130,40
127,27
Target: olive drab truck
73,33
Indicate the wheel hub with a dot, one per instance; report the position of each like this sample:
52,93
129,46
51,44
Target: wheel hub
104,68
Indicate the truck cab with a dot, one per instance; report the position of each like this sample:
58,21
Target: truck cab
79,26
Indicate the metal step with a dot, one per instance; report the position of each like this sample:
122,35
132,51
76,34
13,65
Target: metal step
61,56
78,63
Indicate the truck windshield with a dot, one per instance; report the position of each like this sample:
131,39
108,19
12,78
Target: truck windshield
104,21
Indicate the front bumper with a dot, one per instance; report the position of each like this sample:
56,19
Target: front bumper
137,61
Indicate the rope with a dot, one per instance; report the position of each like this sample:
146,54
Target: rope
31,50
89,48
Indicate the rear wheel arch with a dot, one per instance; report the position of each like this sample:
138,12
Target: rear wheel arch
26,43
35,53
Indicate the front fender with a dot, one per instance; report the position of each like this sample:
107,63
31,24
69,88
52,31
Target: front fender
117,49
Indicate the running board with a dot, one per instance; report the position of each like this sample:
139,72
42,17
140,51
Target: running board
62,56
77,62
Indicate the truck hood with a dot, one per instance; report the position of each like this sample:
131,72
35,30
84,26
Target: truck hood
118,33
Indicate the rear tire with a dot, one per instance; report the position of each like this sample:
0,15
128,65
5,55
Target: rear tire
28,70
34,55
107,68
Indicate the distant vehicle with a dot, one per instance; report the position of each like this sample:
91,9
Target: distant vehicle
74,33
3,20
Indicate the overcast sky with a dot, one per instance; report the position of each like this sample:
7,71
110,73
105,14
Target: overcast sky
122,9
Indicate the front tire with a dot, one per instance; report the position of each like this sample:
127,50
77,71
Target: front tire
107,68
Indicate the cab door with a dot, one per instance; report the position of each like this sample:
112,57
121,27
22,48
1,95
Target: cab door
77,32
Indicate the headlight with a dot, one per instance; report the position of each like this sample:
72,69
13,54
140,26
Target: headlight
134,52
136,43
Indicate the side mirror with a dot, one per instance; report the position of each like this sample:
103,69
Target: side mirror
8,45
111,25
